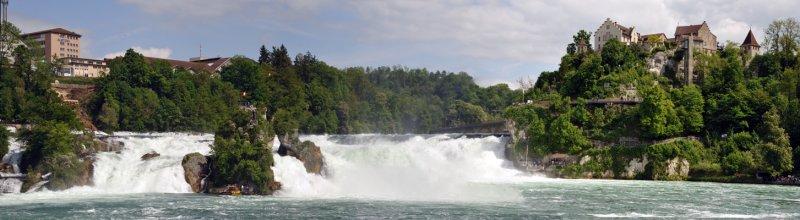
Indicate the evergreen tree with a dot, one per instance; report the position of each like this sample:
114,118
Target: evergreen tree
280,57
264,56
776,150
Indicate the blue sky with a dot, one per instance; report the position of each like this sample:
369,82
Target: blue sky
494,41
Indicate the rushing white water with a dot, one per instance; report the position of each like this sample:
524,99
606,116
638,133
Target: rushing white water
12,185
404,167
387,176
126,172
384,167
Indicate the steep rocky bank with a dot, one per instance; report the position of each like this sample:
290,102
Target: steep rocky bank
632,165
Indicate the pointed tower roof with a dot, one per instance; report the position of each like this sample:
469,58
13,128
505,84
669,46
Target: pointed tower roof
750,40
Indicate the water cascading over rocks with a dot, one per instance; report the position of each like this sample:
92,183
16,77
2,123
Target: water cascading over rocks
306,151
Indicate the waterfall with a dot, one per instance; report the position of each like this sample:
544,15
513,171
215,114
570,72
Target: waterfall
12,185
404,167
369,166
126,172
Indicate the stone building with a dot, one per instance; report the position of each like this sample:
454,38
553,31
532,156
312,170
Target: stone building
612,30
750,47
693,38
699,34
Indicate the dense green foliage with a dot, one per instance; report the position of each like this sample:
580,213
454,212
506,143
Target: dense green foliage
50,147
242,153
317,98
4,138
745,111
141,96
25,95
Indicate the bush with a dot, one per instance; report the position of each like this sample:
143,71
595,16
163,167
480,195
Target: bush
46,140
690,150
659,154
738,162
3,142
242,153
50,147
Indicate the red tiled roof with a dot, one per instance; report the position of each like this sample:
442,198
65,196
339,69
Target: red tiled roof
54,30
750,40
197,67
690,29
213,63
626,31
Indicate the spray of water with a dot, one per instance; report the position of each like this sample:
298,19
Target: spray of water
405,167
127,172
383,167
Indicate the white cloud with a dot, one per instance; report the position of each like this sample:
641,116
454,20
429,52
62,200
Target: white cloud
486,35
148,52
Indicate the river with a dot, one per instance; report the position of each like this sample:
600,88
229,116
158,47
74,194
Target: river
386,176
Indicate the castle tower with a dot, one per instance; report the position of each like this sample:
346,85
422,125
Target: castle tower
688,60
749,47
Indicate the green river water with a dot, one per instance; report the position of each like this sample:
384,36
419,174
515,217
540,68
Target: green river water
386,176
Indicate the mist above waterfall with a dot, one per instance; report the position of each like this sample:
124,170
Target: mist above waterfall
369,166
405,167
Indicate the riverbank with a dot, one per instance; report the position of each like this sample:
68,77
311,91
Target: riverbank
669,160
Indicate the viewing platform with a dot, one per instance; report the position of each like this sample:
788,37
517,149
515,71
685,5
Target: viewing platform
493,128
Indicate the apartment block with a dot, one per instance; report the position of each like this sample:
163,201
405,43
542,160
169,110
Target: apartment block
57,43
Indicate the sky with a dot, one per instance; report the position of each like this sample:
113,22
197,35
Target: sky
494,41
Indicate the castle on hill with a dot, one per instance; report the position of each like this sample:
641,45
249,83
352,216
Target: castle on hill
686,41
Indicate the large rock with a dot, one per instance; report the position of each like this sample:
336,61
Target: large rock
195,169
677,169
635,167
307,152
106,144
150,155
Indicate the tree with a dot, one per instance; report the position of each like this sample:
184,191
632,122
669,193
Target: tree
738,162
280,57
461,113
657,115
142,95
50,147
264,57
242,154
689,107
782,35
776,151
582,38
3,141
565,137
615,54
109,115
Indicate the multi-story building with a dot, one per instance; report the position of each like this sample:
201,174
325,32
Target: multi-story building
57,43
83,67
64,46
612,30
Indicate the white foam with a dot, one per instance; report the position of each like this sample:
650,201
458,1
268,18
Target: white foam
405,168
126,172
